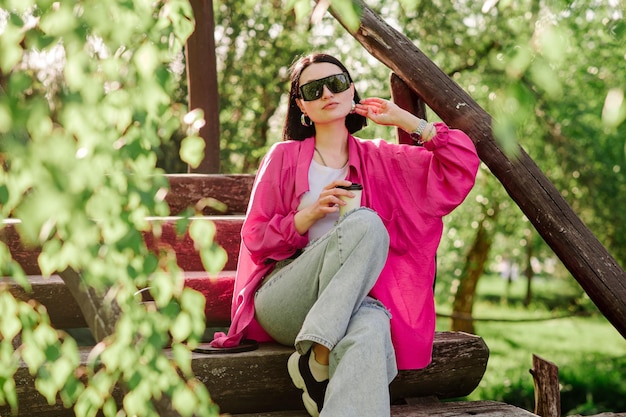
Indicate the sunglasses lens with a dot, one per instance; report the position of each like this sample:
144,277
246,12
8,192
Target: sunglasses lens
338,83
335,83
312,91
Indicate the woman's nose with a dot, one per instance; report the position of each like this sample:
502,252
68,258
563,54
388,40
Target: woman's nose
326,91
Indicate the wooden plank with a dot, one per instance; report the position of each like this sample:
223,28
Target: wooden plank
54,295
193,190
547,389
242,387
590,263
65,313
228,236
202,82
454,353
449,409
258,381
407,99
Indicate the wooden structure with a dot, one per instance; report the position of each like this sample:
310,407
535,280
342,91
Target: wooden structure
256,383
590,263
252,383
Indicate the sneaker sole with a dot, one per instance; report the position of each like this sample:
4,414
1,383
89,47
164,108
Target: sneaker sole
296,378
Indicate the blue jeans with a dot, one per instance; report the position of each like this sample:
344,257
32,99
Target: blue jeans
322,297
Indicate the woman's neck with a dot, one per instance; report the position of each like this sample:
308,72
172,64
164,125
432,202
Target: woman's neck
331,146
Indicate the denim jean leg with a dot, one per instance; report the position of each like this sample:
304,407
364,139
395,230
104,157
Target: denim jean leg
353,261
313,298
362,365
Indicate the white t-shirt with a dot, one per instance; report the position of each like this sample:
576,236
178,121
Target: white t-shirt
319,177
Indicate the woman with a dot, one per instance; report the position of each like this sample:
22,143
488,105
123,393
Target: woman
354,294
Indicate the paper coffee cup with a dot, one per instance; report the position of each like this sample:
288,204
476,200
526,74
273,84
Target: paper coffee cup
354,202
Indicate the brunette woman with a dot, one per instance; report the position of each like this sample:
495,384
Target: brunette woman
353,294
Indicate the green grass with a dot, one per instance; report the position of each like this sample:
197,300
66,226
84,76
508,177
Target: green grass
590,353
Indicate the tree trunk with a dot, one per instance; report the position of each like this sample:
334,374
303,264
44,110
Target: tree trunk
589,262
202,83
529,273
474,267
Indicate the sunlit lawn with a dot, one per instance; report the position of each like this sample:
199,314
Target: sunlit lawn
590,353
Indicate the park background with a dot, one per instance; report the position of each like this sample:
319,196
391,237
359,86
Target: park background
547,72
551,73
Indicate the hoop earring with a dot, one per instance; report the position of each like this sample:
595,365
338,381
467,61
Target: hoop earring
304,121
353,107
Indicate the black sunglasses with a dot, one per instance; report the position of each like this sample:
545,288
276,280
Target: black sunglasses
314,89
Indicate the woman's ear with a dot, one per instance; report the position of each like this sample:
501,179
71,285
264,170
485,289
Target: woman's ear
299,103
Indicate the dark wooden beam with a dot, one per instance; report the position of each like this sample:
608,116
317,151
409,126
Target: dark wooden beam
202,83
406,98
580,251
258,381
547,389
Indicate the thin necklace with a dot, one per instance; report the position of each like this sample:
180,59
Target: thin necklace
321,157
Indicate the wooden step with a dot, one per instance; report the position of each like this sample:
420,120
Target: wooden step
434,409
65,314
228,236
187,190
258,381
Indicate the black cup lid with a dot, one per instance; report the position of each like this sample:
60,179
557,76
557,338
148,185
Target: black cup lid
354,186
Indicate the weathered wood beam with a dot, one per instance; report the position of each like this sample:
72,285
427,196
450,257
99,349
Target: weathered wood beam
209,194
547,389
438,409
580,251
409,101
65,313
258,381
202,83
227,235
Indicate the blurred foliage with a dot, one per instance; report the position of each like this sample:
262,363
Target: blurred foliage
549,72
90,103
590,372
86,92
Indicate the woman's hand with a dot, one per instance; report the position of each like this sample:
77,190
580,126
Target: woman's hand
328,202
387,113
380,111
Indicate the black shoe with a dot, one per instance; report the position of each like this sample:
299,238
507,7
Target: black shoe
314,391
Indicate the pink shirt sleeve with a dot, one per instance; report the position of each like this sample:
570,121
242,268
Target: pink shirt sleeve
447,172
269,231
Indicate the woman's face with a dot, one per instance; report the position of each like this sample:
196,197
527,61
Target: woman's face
329,107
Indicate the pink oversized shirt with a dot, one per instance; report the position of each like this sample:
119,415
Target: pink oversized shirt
410,187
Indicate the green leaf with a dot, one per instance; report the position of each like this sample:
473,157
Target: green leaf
58,21
214,258
147,59
192,150
202,232
8,393
301,8
184,401
161,288
10,324
11,50
181,328
5,114
504,131
182,357
350,13
614,109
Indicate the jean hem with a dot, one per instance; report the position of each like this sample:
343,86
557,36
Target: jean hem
308,340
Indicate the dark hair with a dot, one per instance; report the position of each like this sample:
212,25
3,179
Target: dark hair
294,129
